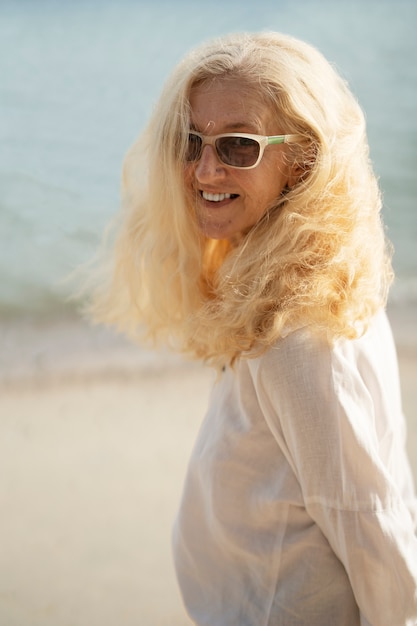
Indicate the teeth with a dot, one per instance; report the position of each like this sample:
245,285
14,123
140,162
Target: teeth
215,197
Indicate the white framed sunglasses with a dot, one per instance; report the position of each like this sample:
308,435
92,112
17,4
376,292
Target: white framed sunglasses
239,150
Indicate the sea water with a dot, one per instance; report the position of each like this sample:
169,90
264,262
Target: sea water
78,81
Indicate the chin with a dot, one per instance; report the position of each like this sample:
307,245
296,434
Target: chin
217,231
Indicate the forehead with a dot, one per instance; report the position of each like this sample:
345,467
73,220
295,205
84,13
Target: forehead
227,105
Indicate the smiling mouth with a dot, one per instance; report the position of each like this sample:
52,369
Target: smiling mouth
218,197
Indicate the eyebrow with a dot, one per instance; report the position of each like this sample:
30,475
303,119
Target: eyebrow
248,126
240,125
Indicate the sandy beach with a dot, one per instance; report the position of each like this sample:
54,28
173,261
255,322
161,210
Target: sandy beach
95,437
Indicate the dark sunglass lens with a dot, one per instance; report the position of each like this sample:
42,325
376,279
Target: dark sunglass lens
238,151
193,149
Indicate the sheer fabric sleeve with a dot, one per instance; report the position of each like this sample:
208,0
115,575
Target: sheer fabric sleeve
336,414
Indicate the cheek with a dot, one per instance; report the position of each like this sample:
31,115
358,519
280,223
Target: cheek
266,185
265,193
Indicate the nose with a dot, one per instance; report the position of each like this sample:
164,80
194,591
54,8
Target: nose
209,166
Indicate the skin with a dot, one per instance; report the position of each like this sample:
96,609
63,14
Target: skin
223,106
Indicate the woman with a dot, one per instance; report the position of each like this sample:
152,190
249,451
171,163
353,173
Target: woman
252,239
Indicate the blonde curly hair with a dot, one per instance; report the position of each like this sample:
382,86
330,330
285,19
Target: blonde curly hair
319,257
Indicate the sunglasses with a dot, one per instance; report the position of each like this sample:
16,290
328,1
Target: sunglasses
238,150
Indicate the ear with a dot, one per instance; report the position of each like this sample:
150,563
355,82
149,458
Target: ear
296,173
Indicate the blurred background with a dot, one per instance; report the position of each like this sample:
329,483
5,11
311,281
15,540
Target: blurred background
89,482
79,79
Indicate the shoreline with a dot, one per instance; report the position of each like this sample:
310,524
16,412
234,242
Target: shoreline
69,348
38,352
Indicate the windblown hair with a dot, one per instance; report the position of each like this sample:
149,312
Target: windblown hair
319,257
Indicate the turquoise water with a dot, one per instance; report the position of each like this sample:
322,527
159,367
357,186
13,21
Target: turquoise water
79,79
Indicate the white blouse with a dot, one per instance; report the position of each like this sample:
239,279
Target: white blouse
298,507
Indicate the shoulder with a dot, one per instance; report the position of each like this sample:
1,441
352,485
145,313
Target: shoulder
306,364
305,346
294,358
